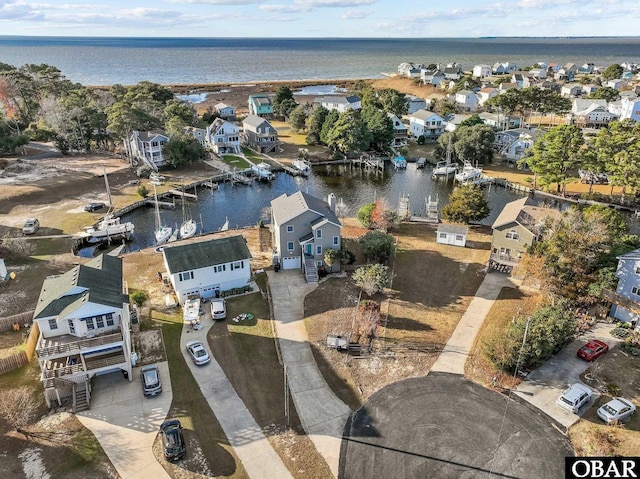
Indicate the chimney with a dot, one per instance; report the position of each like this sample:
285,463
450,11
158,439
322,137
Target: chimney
331,199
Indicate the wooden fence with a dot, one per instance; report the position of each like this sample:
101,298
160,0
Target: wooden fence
12,362
6,324
32,341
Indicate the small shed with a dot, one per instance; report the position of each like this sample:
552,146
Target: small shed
4,275
455,235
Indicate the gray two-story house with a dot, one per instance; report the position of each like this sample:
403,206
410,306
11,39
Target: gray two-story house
626,299
259,135
303,228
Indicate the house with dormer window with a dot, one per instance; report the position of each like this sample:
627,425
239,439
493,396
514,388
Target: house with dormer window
303,227
426,123
400,131
206,269
223,137
146,147
83,321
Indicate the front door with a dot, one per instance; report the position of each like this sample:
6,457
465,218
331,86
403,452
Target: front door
308,249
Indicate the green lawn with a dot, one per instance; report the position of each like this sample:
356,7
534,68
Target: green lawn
236,161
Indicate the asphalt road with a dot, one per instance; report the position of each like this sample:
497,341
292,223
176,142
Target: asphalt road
444,426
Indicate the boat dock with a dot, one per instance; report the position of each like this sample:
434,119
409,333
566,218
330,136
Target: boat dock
183,194
161,204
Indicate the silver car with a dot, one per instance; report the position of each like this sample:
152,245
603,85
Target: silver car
31,226
150,377
573,398
218,309
199,355
616,410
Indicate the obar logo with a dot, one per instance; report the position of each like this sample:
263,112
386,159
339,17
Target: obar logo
601,467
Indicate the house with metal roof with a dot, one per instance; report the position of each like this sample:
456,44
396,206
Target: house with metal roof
146,146
339,103
208,269
518,226
260,105
303,227
259,135
224,111
83,321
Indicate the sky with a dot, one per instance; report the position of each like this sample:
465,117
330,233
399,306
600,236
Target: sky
320,18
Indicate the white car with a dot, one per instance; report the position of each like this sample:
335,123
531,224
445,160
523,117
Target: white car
616,410
199,355
218,309
573,398
31,226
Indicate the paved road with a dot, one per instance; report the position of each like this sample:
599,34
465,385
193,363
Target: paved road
544,385
321,413
444,426
245,436
126,423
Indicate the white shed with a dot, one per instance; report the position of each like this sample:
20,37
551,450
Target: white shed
455,235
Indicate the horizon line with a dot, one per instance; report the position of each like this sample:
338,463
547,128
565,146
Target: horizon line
484,37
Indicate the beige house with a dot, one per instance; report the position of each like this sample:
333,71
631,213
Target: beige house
517,228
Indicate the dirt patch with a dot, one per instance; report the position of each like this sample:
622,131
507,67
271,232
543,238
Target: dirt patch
149,346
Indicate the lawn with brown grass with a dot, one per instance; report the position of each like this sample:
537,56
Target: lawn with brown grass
511,302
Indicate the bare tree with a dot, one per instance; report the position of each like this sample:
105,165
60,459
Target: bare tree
18,407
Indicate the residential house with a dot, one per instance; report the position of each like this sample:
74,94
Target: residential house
571,90
208,269
83,321
452,121
486,94
199,134
400,131
513,144
223,137
630,109
551,86
586,69
518,78
481,71
455,235
146,147
518,226
500,121
409,70
225,111
580,104
589,88
259,134
303,228
432,77
626,299
260,105
567,73
466,100
339,103
452,71
627,76
503,68
538,73
506,86
593,116
628,94
415,103
616,84
426,123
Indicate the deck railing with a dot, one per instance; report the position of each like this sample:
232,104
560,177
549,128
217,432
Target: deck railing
77,346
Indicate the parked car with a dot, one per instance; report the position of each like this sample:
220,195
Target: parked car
91,207
218,308
31,226
150,377
593,350
173,440
616,410
199,355
573,398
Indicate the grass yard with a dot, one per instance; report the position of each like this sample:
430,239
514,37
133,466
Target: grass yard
236,162
510,302
432,287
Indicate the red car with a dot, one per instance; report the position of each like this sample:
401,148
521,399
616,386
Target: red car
592,350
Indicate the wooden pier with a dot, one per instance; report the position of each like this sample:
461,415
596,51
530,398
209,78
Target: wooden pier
183,194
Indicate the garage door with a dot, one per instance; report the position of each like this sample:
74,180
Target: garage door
291,263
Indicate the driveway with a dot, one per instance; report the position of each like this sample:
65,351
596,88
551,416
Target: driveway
444,426
126,423
544,385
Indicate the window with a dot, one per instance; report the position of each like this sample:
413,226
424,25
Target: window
513,234
459,238
220,268
53,324
237,265
318,234
185,276
289,228
318,264
100,321
635,290
90,324
443,235
336,241
637,269
110,319
318,249
290,246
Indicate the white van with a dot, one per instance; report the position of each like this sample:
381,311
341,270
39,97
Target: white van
218,308
575,397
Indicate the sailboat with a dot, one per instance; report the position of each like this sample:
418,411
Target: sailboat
189,226
110,226
163,232
225,226
445,168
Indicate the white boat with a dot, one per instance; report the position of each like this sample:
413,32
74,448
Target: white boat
469,173
189,226
263,171
399,162
445,168
302,166
225,226
163,232
110,226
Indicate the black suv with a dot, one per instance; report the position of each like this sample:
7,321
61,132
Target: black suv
94,207
172,440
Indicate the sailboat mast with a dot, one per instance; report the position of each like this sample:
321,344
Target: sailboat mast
106,184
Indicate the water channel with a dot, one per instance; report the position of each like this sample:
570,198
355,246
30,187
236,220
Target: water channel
247,205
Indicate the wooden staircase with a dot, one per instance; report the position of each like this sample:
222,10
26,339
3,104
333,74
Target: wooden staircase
310,270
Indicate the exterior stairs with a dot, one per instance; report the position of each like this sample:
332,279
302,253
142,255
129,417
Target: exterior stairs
80,399
310,270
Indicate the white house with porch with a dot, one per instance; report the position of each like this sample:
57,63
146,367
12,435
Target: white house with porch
426,123
83,322
223,137
208,269
146,146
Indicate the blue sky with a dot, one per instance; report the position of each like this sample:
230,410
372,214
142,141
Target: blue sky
320,18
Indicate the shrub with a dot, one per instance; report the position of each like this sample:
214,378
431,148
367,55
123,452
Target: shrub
143,191
139,297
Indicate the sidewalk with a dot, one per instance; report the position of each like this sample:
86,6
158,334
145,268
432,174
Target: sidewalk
126,424
322,414
245,436
455,353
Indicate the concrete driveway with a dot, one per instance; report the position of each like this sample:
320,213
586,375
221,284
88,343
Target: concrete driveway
544,385
126,423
